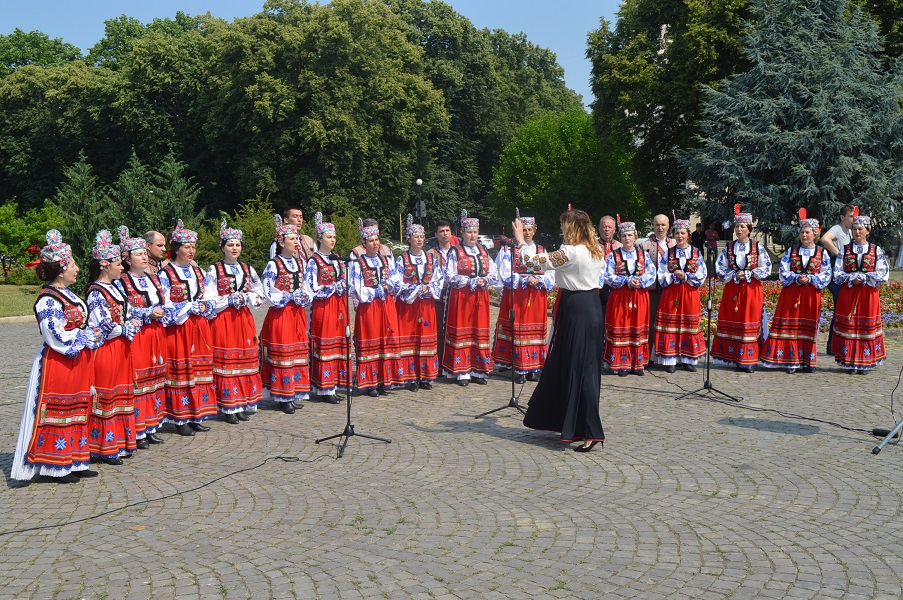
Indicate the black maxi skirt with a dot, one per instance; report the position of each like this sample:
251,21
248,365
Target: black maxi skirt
566,399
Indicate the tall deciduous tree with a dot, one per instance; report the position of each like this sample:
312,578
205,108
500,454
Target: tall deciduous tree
33,48
815,123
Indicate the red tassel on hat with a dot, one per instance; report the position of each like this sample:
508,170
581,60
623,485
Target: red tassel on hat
802,214
737,208
855,211
619,219
569,206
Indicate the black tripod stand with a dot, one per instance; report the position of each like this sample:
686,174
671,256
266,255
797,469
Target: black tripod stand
895,432
707,387
349,431
513,401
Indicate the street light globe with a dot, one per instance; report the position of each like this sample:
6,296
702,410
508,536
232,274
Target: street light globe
419,182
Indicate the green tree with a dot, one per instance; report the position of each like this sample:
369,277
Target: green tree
33,48
815,123
646,76
19,231
87,208
557,159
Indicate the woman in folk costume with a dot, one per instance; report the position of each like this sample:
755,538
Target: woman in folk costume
111,425
285,364
681,271
742,265
630,272
190,395
326,278
526,290
421,288
53,436
148,299
566,399
470,272
860,268
805,270
234,288
374,283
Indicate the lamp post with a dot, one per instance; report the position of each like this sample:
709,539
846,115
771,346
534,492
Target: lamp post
421,209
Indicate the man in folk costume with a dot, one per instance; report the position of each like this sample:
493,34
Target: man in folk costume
742,265
804,270
235,289
630,272
326,278
374,284
444,242
285,359
421,288
295,216
190,395
681,271
526,290
470,272
149,301
656,246
860,268
360,249
155,242
608,227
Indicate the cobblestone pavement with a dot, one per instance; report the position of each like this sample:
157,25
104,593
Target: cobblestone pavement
689,498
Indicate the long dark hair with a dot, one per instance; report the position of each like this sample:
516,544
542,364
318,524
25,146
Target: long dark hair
93,270
48,271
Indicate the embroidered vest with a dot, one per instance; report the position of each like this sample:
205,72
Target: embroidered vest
286,281
621,264
137,297
178,287
412,273
117,307
674,262
371,275
75,313
472,266
869,259
327,274
752,259
813,267
225,280
518,265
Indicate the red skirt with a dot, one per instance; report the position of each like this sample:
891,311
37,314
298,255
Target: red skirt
418,339
148,352
328,367
190,395
111,425
794,328
736,340
376,332
858,337
236,360
285,364
467,346
627,329
531,315
59,439
677,331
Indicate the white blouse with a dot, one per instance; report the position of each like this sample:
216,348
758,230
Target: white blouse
575,268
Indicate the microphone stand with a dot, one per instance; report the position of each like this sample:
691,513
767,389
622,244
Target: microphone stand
348,432
707,387
513,401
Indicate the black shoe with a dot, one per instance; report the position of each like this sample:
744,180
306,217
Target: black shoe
332,399
287,407
230,418
153,438
791,370
426,385
464,382
412,387
640,373
142,443
372,393
587,448
184,429
381,390
295,404
534,376
623,373
242,416
112,461
861,372
670,368
480,380
520,378
70,478
198,427
689,367
85,473
746,369
807,369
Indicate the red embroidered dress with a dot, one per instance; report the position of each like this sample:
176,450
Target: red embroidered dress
235,289
148,351
190,395
328,319
53,436
467,345
531,313
858,342
111,425
677,333
627,312
417,315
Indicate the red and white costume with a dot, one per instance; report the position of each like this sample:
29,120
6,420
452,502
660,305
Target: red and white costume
678,337
417,314
627,312
326,278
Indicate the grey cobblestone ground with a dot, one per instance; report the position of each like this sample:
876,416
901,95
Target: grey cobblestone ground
689,498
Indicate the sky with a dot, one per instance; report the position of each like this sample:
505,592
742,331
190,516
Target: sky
559,26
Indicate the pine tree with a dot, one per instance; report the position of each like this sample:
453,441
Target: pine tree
175,196
815,123
84,202
134,197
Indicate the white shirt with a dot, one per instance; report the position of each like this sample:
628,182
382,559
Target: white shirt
575,268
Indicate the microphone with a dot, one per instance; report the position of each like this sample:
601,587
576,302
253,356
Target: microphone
508,242
344,259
